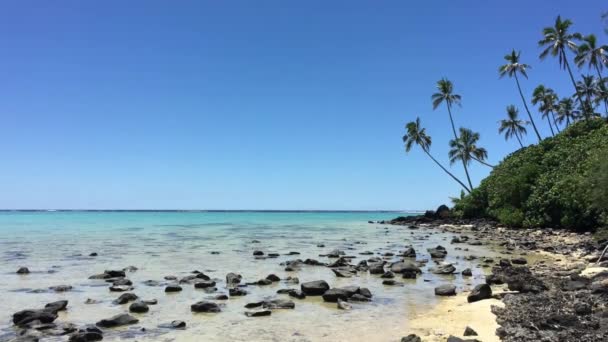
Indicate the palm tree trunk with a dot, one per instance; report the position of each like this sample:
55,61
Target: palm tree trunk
452,120
482,162
555,122
599,74
578,96
527,109
466,171
519,140
446,171
550,125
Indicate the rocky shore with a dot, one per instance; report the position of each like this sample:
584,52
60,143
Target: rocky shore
544,286
562,296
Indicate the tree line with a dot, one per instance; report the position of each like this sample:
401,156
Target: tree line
590,96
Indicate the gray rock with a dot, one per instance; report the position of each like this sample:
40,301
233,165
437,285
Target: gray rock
116,321
204,306
342,305
139,307
173,325
314,288
259,313
445,290
443,269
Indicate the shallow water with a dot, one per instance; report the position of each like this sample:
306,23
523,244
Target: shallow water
176,243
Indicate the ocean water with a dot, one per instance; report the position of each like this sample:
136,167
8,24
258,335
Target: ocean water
55,246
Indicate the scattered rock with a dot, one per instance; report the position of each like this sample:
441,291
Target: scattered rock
342,305
116,321
314,288
205,307
259,313
480,292
445,290
139,307
468,331
23,270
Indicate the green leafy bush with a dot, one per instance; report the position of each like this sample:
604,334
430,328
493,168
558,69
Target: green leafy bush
561,182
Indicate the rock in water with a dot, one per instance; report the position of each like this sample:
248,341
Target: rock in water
205,307
173,325
116,321
259,313
467,272
233,279
173,288
125,298
443,269
23,270
139,307
314,288
86,336
445,290
481,291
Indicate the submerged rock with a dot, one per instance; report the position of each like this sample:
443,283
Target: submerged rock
443,269
173,325
116,321
173,288
204,306
259,313
233,279
139,307
23,270
125,298
342,305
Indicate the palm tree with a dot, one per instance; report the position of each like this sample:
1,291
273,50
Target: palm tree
566,111
547,98
556,40
446,94
415,134
595,57
512,68
589,89
465,149
513,126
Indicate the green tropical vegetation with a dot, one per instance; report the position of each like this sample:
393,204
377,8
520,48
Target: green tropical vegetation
562,181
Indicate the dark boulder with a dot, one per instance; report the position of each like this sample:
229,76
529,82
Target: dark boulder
314,288
259,313
173,288
411,338
116,321
233,279
205,307
23,270
139,307
481,291
125,298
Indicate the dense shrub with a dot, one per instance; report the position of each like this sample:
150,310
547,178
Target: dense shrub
561,182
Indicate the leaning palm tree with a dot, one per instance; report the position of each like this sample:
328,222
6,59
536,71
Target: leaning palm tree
512,68
547,98
465,149
446,94
513,126
415,134
566,111
556,40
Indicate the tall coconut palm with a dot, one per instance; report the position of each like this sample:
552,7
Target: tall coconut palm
465,149
512,68
588,89
566,111
513,126
556,40
446,94
594,57
416,134
547,99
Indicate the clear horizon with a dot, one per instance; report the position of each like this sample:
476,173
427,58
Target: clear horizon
273,104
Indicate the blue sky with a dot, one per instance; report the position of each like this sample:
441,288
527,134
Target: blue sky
255,104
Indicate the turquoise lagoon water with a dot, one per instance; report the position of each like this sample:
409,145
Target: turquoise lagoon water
55,246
